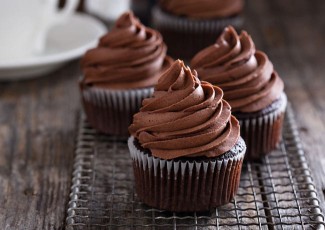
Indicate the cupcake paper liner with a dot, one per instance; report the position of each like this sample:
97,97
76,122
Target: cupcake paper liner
262,134
111,111
186,185
185,37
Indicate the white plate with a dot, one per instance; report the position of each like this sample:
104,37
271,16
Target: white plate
64,43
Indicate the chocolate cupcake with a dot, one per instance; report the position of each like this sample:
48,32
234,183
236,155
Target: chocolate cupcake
251,86
185,145
120,73
191,25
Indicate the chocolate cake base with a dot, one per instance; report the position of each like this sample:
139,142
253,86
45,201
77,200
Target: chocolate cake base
186,184
262,130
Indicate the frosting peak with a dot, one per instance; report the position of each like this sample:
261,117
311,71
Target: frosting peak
185,117
206,9
129,56
125,20
245,75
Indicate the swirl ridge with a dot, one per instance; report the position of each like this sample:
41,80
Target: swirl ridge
246,76
129,56
185,117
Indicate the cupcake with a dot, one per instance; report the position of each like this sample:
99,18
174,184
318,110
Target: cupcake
252,87
191,25
120,72
185,145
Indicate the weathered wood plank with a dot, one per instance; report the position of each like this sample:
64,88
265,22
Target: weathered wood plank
292,34
37,136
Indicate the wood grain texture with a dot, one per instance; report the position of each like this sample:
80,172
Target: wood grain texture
292,33
38,117
37,136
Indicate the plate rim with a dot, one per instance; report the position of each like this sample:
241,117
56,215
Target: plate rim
60,56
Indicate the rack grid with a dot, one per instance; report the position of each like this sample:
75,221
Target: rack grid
275,193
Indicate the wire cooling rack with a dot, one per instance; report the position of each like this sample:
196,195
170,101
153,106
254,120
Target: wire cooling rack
275,193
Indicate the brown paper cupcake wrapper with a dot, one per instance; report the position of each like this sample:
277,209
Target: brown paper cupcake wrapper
262,134
185,185
185,37
111,111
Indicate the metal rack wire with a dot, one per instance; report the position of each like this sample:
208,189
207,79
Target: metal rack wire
275,193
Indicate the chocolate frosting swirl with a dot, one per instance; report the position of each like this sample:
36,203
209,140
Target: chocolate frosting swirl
129,56
246,76
185,117
206,9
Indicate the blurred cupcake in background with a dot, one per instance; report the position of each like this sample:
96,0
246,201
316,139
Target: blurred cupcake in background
120,72
142,9
252,87
191,25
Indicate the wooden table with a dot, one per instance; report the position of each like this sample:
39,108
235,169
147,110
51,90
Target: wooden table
38,118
